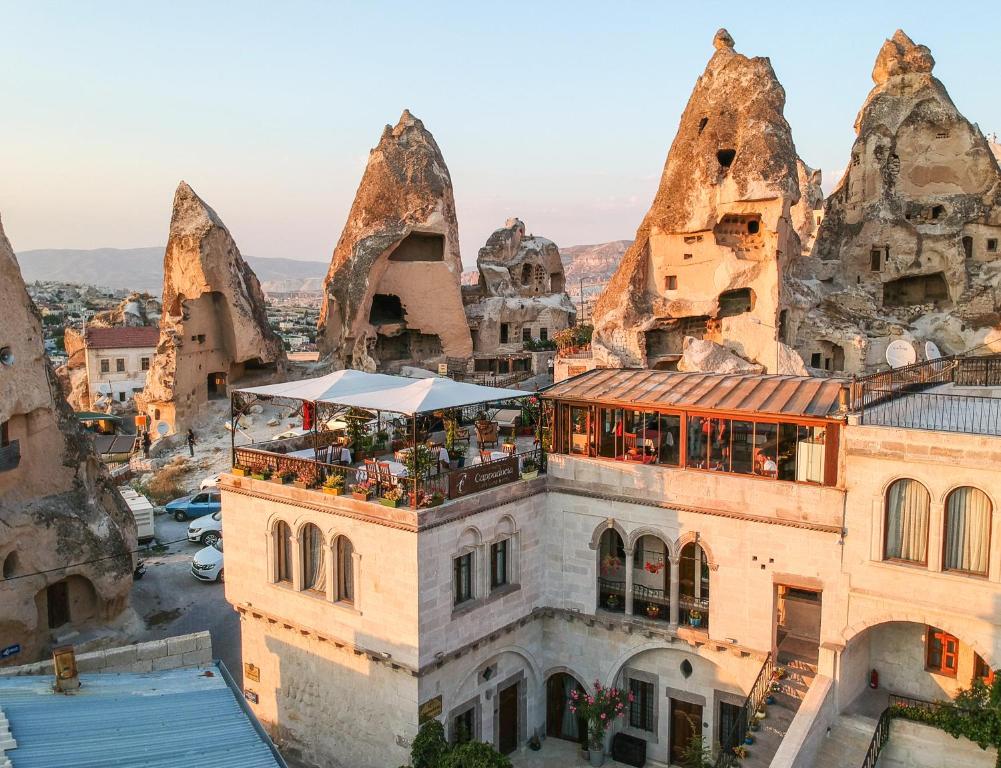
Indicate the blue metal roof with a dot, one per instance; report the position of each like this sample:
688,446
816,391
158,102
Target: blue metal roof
173,719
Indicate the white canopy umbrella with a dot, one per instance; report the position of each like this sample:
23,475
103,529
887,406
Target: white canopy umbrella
329,388
425,395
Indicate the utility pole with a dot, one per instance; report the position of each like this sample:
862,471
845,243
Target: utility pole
580,319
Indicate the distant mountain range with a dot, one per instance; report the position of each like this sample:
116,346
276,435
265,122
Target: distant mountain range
141,269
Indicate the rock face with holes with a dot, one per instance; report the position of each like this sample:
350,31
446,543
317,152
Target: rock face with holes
709,258
66,536
214,331
519,300
391,296
909,244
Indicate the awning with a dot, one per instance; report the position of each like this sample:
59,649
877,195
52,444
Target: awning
96,416
381,392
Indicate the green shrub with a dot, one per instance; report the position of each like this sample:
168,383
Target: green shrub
474,754
429,745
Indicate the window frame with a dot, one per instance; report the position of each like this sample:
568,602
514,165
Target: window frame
105,365
500,550
119,365
463,576
305,561
945,533
886,527
935,637
344,577
284,560
641,708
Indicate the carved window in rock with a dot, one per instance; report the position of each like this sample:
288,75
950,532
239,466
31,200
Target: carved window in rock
314,571
540,279
283,552
992,244
908,507
526,334
526,274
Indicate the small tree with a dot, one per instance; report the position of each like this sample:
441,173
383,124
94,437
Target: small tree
599,710
697,753
429,745
473,754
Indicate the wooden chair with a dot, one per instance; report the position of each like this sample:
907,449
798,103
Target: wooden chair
509,448
371,471
461,434
631,451
386,478
486,434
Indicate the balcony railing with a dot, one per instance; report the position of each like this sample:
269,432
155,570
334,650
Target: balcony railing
612,594
10,456
943,413
651,602
726,757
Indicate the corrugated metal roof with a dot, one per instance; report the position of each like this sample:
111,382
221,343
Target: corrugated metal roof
114,443
750,393
175,719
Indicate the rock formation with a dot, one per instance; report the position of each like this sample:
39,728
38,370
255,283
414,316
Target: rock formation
392,296
66,536
520,299
908,247
710,255
214,330
134,311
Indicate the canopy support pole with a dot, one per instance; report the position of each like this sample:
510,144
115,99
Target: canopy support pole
232,431
413,453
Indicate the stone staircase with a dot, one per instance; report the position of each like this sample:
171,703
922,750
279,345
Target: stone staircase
801,669
846,743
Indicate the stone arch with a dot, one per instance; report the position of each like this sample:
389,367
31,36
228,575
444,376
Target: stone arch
646,530
587,686
535,671
300,523
622,660
505,527
604,526
944,498
886,485
914,615
693,537
470,538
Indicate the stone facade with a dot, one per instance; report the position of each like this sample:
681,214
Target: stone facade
710,256
66,537
400,245
520,297
910,237
214,331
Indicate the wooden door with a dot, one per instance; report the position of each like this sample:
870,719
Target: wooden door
58,599
507,738
686,722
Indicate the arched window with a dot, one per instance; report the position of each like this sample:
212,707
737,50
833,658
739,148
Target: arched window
693,582
283,551
611,571
651,579
907,510
526,274
540,278
314,572
967,530
345,570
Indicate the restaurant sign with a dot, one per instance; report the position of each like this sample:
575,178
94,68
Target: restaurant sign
429,710
480,477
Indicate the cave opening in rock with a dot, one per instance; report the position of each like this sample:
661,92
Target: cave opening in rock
736,302
726,156
783,321
526,274
556,282
216,384
670,341
386,309
408,346
968,247
420,246
703,123
916,289
10,565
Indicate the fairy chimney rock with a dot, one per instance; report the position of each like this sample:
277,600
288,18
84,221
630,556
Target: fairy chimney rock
909,242
214,329
709,257
399,246
63,519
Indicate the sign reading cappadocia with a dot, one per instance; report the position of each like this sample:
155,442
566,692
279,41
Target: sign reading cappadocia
482,476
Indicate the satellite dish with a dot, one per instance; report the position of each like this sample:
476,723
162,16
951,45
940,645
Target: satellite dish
900,353
932,352
162,428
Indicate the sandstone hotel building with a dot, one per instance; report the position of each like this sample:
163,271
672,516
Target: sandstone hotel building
689,533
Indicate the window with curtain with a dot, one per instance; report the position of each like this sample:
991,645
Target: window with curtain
283,550
907,511
345,570
463,577
967,530
498,564
314,573
641,708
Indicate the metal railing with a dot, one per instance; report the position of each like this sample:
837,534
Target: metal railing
762,684
971,414
875,388
575,353
610,588
879,738
655,603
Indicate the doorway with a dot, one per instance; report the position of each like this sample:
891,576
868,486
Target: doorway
507,709
216,386
57,598
797,623
686,723
561,723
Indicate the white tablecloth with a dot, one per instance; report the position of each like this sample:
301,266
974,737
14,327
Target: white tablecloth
309,453
404,452
396,469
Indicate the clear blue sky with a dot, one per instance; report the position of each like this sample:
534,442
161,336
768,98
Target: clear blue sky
560,113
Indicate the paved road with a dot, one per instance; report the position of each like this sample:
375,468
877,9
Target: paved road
173,602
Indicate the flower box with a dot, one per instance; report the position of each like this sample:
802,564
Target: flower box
653,611
360,495
239,471
390,502
530,474
257,475
300,484
332,491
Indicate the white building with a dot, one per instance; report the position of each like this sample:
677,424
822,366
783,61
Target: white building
692,531
118,359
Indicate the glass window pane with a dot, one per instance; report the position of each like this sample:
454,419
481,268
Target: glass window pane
741,446
718,436
580,430
788,437
669,439
607,432
907,510
698,441
810,455
766,449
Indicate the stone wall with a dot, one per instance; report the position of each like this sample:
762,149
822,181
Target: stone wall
914,745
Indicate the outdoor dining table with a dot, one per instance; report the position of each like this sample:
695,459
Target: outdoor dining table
497,456
309,453
396,469
401,455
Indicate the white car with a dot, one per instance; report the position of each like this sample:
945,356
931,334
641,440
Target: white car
206,530
206,565
212,481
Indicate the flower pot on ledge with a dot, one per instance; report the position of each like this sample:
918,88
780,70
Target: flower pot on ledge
530,475
360,495
239,471
393,503
257,475
332,491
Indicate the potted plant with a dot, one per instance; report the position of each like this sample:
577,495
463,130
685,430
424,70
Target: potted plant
361,491
769,699
740,751
695,618
334,485
749,738
529,469
600,710
300,481
286,477
778,673
391,497
754,726
240,471
612,601
760,714
357,430
652,610
381,439
456,458
653,568
610,563
258,473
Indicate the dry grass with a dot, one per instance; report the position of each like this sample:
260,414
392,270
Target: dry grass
168,483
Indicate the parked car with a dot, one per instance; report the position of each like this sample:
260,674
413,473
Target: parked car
194,505
206,565
209,483
206,530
